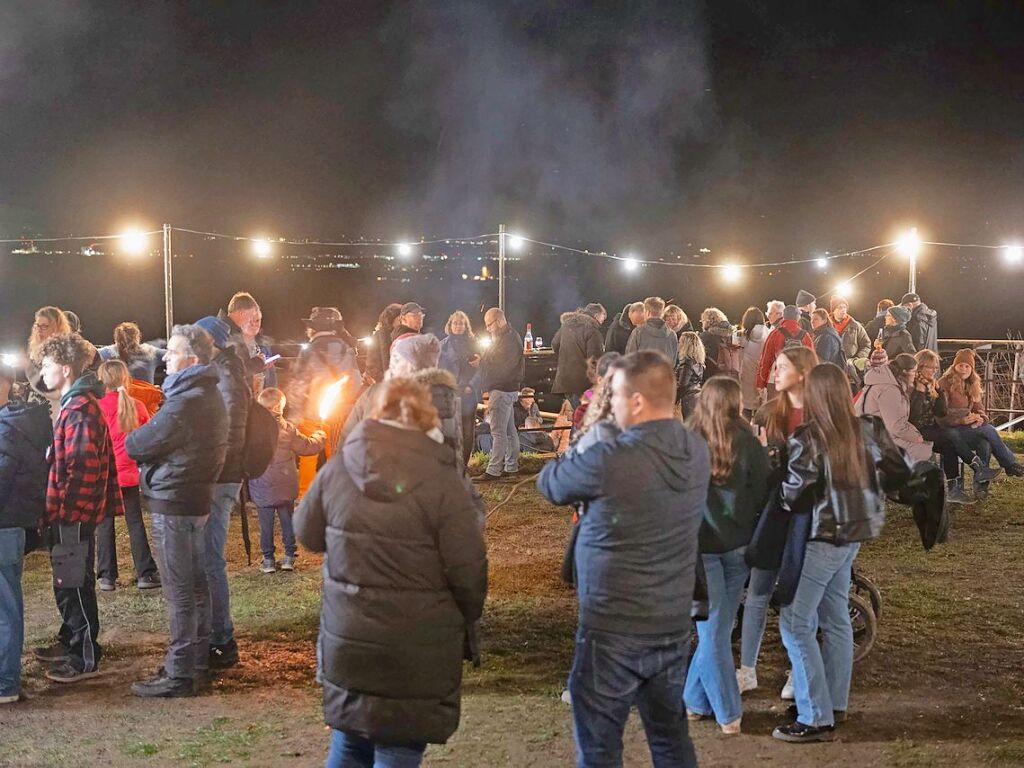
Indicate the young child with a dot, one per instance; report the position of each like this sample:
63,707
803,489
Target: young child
274,492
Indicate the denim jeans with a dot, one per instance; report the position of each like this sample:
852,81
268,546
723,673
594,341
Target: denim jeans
12,609
711,686
267,514
505,436
987,436
821,674
350,751
186,593
225,498
610,673
755,614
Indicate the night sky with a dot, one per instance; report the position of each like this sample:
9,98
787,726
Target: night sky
764,131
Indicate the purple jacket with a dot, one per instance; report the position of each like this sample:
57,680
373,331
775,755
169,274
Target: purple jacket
280,483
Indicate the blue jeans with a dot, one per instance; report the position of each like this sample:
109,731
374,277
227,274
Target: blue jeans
505,448
610,673
12,609
186,594
267,514
225,498
755,614
349,751
987,437
821,674
711,686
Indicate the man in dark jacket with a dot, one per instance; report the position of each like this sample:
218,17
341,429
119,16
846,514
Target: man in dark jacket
232,383
502,368
654,334
622,326
574,344
827,342
634,581
410,320
181,451
81,492
877,323
405,576
25,434
896,339
923,325
806,302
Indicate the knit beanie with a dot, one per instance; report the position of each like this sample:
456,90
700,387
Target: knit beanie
900,314
420,350
838,301
965,355
217,328
803,298
878,358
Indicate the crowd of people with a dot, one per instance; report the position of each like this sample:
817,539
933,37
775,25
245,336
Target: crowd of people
750,459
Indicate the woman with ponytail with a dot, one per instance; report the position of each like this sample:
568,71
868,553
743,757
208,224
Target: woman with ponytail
123,413
141,358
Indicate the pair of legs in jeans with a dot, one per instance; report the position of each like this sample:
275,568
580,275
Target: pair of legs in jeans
106,548
755,614
225,499
80,618
821,673
986,438
182,547
504,435
610,673
351,751
282,512
12,610
711,687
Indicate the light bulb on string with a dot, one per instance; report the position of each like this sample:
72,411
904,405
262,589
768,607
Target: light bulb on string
404,250
1014,254
630,264
261,247
133,241
909,243
731,273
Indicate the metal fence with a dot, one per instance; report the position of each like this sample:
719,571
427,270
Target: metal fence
1001,367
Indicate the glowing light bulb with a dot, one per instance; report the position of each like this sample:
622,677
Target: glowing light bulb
1014,254
909,244
822,263
631,264
731,273
404,249
261,247
134,241
515,242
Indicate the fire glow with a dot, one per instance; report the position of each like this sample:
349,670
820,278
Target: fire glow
329,398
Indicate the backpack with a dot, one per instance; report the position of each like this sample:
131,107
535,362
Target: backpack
792,342
260,440
728,359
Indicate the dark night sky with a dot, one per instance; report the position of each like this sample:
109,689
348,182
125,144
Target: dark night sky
761,129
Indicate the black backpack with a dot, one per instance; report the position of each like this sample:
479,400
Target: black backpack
792,342
260,440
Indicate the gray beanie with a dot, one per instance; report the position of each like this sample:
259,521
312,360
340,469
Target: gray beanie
803,298
900,314
420,350
791,312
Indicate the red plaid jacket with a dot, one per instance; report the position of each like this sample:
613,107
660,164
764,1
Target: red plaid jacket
82,487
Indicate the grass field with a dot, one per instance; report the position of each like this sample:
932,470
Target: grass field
943,685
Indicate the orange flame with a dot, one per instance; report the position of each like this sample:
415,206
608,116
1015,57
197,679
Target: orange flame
329,398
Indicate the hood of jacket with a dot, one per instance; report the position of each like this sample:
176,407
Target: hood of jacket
672,449
722,329
435,376
578,321
881,375
31,422
656,327
85,384
186,379
758,334
923,312
387,462
623,318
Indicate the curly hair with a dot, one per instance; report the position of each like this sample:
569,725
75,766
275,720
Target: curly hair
712,315
68,349
127,338
59,326
406,401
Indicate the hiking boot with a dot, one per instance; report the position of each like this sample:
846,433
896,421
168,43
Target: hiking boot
955,493
107,585
148,582
1015,470
223,656
787,690
982,472
268,565
981,490
288,564
746,679
65,672
487,478
798,733
164,687
51,654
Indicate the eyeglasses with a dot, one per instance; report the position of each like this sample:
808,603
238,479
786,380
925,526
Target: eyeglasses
41,326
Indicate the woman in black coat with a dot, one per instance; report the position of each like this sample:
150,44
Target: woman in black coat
405,578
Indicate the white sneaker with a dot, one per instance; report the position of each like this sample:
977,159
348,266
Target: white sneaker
787,690
746,679
566,697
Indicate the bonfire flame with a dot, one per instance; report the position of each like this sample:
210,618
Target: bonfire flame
330,396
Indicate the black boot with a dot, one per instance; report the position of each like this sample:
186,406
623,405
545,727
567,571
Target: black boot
164,687
223,656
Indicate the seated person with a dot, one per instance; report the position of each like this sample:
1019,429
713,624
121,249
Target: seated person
536,442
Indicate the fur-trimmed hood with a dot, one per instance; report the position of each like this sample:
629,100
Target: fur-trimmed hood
578,320
434,376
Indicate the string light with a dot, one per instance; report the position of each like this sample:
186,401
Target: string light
909,244
404,250
261,247
134,241
630,264
515,242
1014,254
731,273
822,263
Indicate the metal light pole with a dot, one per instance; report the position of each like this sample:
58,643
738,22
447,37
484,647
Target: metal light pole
168,282
913,274
501,267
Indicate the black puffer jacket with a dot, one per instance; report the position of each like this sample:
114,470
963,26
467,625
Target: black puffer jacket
26,433
233,385
181,449
896,341
404,577
839,515
619,331
578,340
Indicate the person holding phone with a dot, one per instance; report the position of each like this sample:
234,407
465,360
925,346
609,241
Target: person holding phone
459,357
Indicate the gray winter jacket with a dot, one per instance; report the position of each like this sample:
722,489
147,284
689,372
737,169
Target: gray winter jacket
883,397
405,575
654,334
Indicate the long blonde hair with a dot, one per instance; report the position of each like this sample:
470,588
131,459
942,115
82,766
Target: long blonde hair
59,327
690,345
114,375
829,410
804,360
931,357
717,409
465,318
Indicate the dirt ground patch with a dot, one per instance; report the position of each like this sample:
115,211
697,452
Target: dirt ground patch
943,685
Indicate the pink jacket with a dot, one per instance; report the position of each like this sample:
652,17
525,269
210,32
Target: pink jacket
127,469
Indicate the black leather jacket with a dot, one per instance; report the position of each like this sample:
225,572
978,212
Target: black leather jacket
840,515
